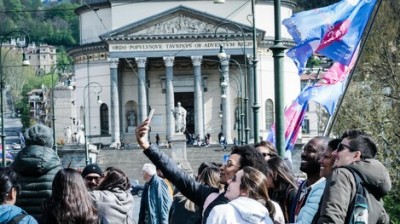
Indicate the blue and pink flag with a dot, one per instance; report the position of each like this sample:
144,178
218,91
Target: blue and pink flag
294,116
326,95
333,31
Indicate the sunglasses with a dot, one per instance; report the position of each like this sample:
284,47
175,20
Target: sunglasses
342,146
91,178
264,154
229,164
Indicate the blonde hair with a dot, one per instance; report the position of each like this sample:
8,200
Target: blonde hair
210,177
255,183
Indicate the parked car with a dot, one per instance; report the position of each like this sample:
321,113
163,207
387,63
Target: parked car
137,189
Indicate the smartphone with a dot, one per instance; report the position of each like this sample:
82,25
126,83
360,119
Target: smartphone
150,116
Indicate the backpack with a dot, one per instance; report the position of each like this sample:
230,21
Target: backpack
362,203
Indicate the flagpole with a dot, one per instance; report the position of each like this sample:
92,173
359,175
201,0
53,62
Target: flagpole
332,119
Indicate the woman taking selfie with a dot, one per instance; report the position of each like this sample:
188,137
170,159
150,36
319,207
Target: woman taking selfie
249,201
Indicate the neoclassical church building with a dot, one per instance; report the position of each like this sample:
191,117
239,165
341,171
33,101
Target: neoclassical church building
137,55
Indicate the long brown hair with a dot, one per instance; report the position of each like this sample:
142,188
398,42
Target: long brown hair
255,183
70,201
114,178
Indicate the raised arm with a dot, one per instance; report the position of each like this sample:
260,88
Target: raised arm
190,188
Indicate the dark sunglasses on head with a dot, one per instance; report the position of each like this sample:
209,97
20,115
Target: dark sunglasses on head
342,146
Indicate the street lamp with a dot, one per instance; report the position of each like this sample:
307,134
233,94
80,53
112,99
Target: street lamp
63,68
239,116
97,88
25,62
239,112
278,54
256,106
222,54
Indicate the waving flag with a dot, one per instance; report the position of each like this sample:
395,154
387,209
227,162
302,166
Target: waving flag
326,95
334,31
338,72
294,116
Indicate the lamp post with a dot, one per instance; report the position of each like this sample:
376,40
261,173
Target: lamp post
63,67
278,54
97,88
256,106
222,54
239,109
25,62
239,112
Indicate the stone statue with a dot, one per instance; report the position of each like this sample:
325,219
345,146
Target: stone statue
180,118
130,116
79,132
68,134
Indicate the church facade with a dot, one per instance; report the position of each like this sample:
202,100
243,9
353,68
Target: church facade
140,55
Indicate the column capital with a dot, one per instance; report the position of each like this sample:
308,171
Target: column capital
141,61
169,61
113,62
196,60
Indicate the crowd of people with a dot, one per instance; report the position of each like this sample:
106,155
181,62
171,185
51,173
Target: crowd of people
254,185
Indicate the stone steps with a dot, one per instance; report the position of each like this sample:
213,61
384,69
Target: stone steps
131,161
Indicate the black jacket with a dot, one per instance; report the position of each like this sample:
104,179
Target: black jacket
36,167
190,188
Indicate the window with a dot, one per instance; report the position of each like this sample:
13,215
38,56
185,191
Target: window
269,114
305,127
104,127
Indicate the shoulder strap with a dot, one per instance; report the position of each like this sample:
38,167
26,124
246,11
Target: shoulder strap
360,190
17,218
359,182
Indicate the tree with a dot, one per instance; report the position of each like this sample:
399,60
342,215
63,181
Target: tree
372,101
15,75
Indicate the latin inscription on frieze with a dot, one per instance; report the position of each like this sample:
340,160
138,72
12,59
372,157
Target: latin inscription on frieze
176,46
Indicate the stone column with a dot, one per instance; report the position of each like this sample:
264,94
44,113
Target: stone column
198,97
169,94
226,101
114,101
142,96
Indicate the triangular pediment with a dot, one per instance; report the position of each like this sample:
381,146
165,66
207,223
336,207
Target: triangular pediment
180,22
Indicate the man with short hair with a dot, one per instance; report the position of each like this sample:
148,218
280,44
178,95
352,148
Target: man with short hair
356,152
91,174
156,199
309,194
